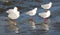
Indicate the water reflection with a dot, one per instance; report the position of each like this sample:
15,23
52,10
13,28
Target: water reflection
41,32
56,26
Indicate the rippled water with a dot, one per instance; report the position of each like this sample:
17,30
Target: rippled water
26,5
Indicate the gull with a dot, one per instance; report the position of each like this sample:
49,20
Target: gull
13,13
45,15
32,12
47,6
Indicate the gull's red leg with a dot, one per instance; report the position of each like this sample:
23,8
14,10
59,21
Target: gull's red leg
45,19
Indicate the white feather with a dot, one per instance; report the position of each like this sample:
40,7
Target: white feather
46,6
45,14
32,12
13,13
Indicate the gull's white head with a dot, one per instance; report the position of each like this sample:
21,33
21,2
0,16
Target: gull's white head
35,9
15,8
50,3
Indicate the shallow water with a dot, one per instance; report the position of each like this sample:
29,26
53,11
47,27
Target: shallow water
25,6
